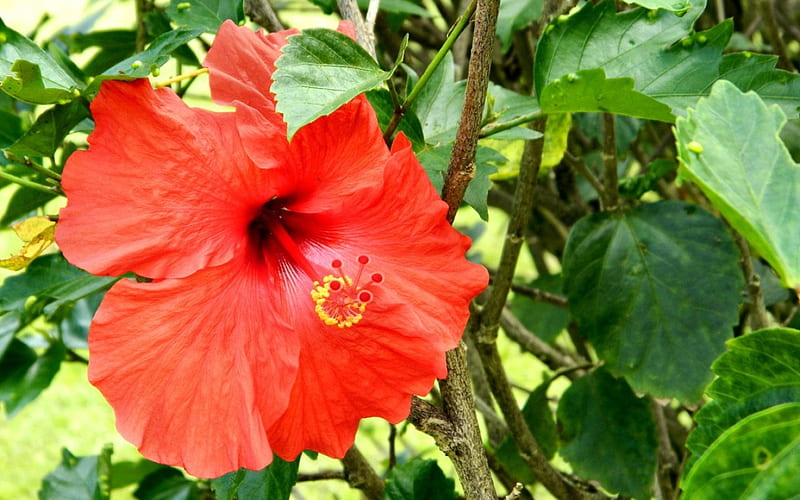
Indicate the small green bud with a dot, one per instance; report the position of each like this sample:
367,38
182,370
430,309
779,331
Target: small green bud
563,18
155,70
572,78
183,6
76,93
686,42
549,28
136,64
695,147
3,37
702,39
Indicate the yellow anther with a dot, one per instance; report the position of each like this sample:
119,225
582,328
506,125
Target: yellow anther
336,302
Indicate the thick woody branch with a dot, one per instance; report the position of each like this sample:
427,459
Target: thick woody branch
360,474
262,13
462,163
364,36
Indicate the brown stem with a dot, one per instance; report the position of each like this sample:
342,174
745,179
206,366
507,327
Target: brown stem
462,163
262,13
757,310
610,198
360,474
554,358
321,476
349,10
142,8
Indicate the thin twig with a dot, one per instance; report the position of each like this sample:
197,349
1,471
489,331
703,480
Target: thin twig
515,493
668,463
360,474
757,310
610,200
580,166
142,8
462,163
321,476
349,10
540,295
554,358
262,13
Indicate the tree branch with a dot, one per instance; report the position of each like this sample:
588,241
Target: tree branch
360,474
262,13
462,163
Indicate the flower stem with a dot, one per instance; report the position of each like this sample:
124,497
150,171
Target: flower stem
452,36
29,184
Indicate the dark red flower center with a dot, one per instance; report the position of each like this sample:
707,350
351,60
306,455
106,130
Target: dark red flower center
276,235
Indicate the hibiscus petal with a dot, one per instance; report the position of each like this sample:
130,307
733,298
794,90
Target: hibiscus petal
417,313
196,368
163,190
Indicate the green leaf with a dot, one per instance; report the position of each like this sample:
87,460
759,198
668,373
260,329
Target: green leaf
148,61
166,483
508,106
679,7
79,478
205,14
23,202
24,374
10,128
112,47
643,45
419,480
126,472
729,146
539,418
590,91
381,101
609,434
54,282
438,105
633,287
758,371
274,482
515,15
758,458
30,74
319,71
544,320
46,134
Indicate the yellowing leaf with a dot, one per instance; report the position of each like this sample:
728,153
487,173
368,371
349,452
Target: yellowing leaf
555,138
37,233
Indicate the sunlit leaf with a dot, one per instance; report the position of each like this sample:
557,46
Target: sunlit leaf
555,138
30,74
515,15
79,478
658,283
319,71
37,233
166,483
50,128
679,7
758,371
729,146
757,458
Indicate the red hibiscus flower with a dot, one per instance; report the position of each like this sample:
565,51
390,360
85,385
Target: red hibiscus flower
295,287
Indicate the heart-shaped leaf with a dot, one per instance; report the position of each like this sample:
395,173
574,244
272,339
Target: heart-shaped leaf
633,287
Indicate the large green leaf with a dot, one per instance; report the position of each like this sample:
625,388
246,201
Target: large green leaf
633,287
274,482
438,105
729,146
205,14
758,458
10,128
319,71
419,480
45,136
30,74
609,434
758,371
590,91
643,45
79,478
24,374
